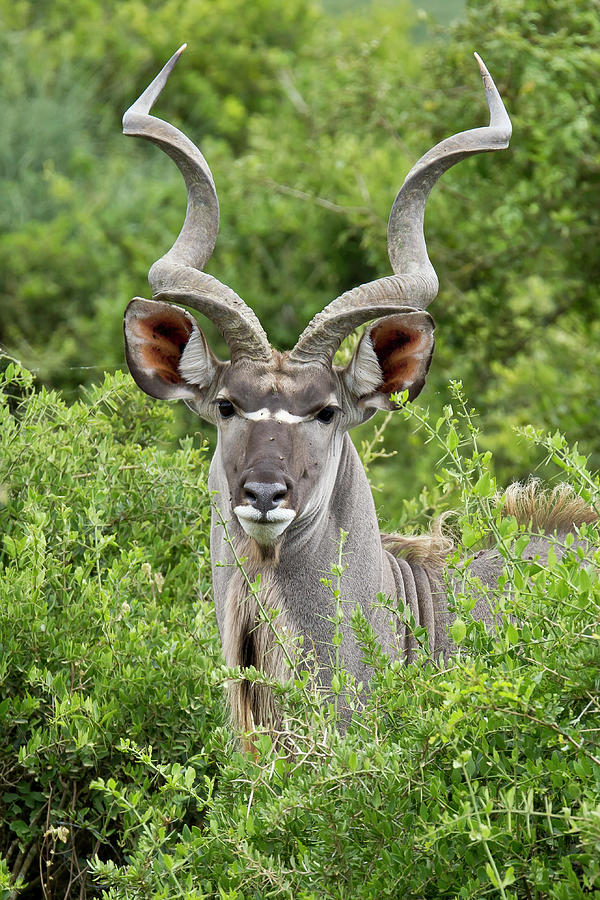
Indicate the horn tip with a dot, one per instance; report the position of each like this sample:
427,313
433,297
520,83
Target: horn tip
482,65
146,101
170,65
499,118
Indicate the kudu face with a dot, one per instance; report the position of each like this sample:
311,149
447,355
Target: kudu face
279,434
280,423
281,418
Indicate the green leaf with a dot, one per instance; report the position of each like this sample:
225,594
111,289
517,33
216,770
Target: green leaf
458,631
452,439
470,535
491,875
485,486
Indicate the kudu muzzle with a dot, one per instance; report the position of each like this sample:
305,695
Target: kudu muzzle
265,491
264,495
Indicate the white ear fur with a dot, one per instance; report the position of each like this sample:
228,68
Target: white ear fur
196,365
364,374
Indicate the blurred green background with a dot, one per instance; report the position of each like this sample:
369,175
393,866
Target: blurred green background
310,116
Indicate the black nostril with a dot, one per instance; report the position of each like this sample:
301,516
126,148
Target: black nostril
265,496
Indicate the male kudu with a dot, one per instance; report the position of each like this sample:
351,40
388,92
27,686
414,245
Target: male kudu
285,473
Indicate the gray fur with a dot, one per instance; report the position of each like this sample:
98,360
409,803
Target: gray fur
309,550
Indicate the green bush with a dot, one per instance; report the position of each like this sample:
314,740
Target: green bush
106,626
119,775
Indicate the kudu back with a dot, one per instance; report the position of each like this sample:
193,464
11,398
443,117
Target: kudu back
285,475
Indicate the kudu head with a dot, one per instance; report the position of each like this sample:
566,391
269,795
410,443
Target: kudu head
281,417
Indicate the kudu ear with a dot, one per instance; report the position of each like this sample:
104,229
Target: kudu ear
166,352
393,355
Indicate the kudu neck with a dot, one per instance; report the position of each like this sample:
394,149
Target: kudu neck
349,508
309,559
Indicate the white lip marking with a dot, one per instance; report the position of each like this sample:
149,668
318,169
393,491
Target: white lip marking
263,532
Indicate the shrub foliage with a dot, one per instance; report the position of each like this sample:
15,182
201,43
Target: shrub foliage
119,774
106,626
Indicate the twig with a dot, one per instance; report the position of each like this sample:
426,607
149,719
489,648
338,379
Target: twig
320,201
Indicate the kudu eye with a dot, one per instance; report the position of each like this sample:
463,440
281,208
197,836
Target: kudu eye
326,414
226,409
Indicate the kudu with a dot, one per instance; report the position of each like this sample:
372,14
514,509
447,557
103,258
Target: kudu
285,475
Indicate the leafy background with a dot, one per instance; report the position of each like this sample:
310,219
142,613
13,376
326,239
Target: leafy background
310,117
310,121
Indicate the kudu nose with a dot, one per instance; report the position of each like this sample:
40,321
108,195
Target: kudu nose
263,496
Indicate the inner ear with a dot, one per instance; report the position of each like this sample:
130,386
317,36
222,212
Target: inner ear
166,352
394,355
404,348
